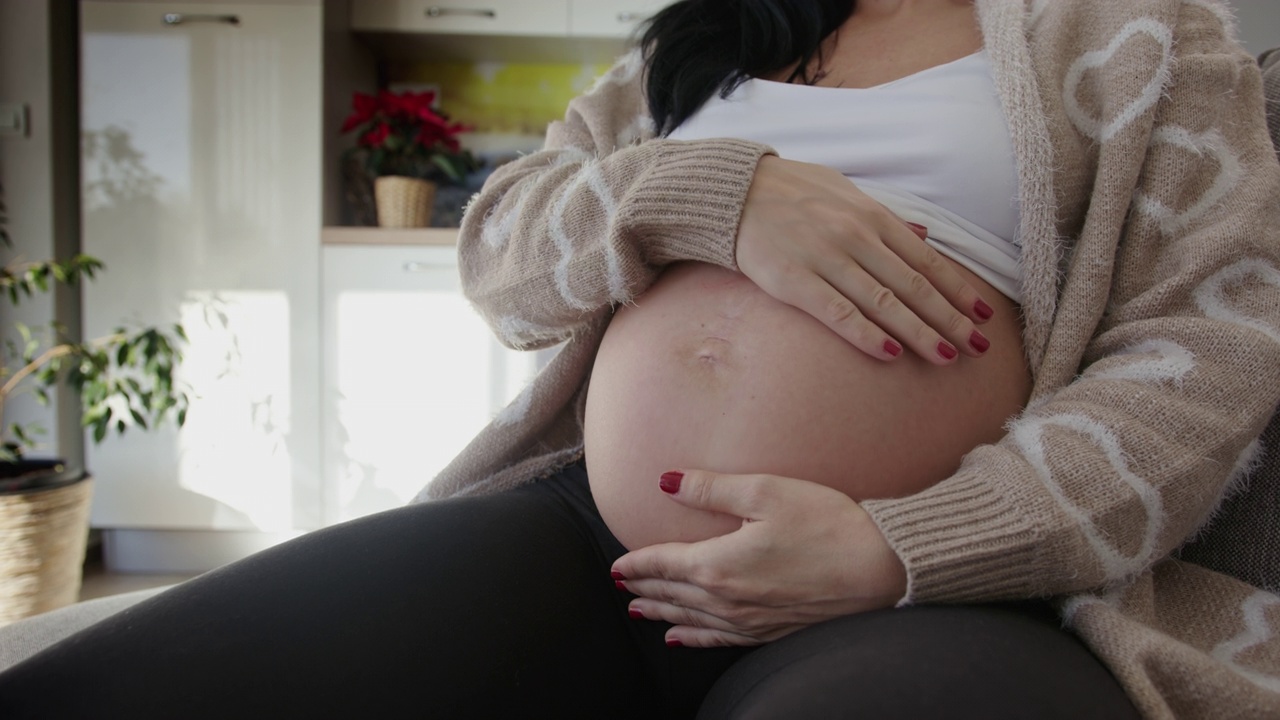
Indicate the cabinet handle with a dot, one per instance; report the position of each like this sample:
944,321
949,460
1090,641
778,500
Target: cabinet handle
627,17
416,267
433,12
183,18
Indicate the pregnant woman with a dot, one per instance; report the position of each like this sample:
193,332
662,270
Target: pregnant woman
900,343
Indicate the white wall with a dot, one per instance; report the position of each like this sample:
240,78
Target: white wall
38,66
1259,22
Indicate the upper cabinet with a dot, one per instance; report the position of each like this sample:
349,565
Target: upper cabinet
463,17
537,18
610,18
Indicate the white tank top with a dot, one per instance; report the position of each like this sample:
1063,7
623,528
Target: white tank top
933,147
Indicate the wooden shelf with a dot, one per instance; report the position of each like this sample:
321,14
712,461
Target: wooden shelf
388,236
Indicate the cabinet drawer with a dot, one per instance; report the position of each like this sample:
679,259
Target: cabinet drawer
610,18
462,17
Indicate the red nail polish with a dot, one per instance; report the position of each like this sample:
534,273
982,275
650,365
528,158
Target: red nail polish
892,348
674,643
619,584
978,342
635,614
983,310
617,575
920,229
947,350
670,482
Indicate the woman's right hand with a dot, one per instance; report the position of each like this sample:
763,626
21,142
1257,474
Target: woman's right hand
810,238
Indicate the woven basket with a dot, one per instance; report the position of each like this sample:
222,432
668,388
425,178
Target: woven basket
42,541
404,202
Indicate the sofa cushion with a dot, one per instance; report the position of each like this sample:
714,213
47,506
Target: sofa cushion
22,639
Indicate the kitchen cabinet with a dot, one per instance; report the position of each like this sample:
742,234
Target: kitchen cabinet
202,133
614,19
411,373
610,18
463,17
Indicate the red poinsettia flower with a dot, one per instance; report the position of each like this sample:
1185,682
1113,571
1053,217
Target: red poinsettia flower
407,136
376,136
363,108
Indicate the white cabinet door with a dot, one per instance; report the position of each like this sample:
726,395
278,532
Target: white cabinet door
411,374
610,18
201,155
480,17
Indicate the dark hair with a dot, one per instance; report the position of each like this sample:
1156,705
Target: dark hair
694,48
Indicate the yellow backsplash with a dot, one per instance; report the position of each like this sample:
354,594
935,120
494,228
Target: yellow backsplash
503,97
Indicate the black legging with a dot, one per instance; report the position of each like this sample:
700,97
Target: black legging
502,607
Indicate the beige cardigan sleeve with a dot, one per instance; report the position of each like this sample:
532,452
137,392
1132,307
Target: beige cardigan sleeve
1171,302
561,235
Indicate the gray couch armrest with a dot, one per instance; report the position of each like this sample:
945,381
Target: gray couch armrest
22,639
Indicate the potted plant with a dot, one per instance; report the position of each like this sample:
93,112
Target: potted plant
124,379
407,147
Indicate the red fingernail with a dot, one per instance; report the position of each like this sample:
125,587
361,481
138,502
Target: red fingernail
920,229
619,584
670,482
892,348
635,614
617,575
983,310
947,350
979,342
674,643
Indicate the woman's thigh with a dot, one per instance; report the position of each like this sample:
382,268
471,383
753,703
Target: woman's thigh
990,662
487,607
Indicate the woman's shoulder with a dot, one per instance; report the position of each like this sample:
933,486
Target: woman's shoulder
1086,20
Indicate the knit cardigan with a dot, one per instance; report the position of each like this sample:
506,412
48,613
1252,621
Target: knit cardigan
1150,240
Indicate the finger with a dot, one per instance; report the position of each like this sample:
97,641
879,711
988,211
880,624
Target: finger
818,297
749,497
691,563
940,295
909,300
672,562
882,308
644,609
696,637
950,283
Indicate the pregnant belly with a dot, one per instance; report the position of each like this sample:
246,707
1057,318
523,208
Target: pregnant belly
708,372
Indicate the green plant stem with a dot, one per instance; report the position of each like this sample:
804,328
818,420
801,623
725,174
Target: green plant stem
56,351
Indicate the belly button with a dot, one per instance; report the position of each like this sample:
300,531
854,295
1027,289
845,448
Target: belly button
712,351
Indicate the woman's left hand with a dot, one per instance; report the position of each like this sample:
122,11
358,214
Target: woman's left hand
804,554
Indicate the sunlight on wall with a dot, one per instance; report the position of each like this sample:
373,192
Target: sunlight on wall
417,379
235,445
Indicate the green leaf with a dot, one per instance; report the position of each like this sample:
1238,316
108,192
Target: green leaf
137,418
99,430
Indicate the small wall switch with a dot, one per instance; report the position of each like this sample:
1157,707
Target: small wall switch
13,119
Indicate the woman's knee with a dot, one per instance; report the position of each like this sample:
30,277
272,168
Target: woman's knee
1010,661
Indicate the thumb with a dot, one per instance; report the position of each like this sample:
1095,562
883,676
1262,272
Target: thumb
746,496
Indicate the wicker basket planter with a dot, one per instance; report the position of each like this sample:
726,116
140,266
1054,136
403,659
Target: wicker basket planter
42,543
403,202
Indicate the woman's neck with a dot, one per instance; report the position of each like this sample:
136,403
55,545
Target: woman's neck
884,40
